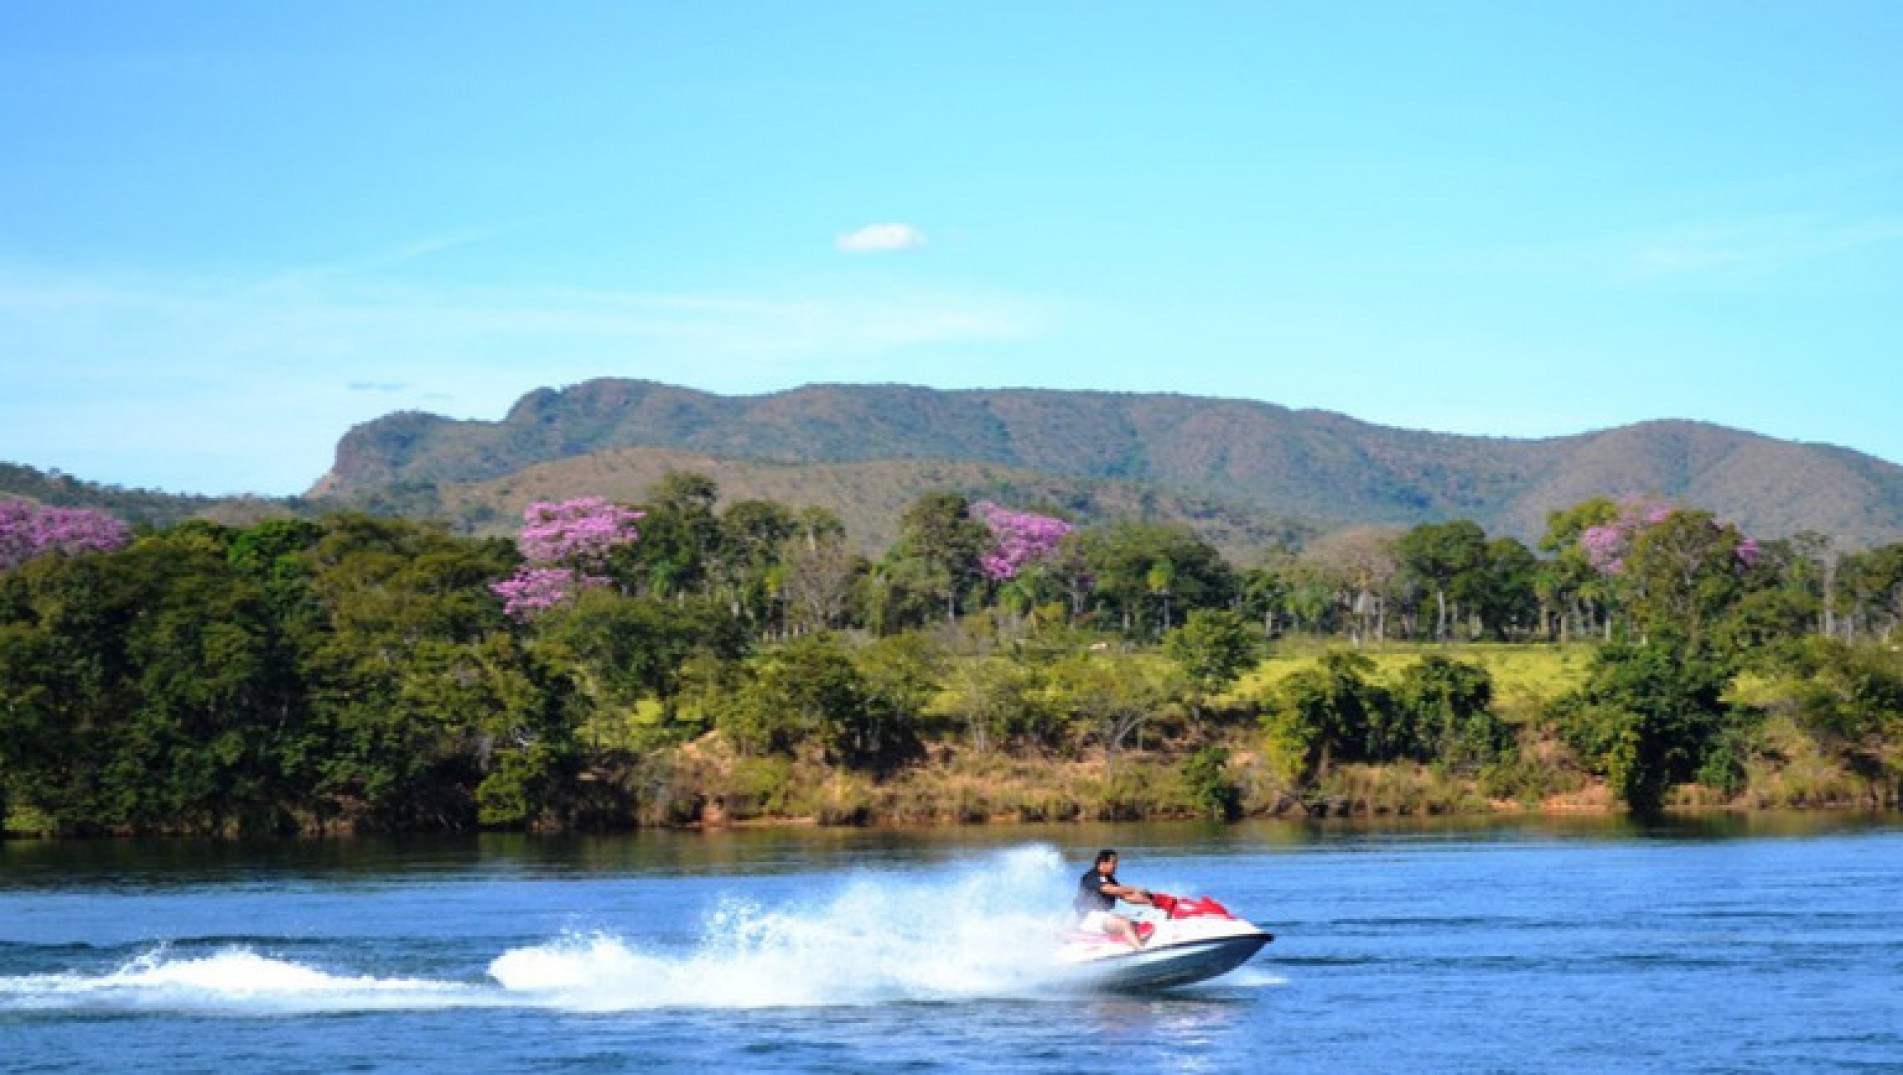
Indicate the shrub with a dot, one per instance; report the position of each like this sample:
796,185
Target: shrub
1206,777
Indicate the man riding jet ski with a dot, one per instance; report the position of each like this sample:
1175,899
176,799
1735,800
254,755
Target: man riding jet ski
1097,894
1196,939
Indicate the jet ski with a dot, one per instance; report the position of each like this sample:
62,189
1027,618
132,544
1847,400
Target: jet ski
1196,939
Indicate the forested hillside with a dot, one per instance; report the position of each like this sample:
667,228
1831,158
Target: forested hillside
1292,464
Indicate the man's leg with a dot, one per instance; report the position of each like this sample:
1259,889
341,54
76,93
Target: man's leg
1125,929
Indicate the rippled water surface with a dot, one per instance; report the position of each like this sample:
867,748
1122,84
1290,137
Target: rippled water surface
1754,944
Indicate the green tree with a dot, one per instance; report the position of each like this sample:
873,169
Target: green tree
395,663
620,651
746,572
1779,599
1206,774
1683,574
941,543
1332,712
994,699
1869,592
809,691
680,537
1851,705
1264,593
1213,648
1646,717
217,694
901,593
1568,582
1450,557
898,678
35,732
1311,595
1447,706
147,690
1508,595
1107,698
1143,571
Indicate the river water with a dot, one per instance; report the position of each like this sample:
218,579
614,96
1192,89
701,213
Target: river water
1734,944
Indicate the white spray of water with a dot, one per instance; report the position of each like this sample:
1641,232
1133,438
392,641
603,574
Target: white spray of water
233,979
984,929
985,932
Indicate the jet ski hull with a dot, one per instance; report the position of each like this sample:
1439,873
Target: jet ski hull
1167,966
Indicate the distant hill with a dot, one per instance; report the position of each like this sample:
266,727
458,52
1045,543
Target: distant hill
140,507
1227,455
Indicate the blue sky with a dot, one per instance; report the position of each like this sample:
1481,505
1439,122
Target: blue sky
230,231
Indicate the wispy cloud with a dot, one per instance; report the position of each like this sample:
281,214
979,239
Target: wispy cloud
1807,250
437,244
378,386
1760,244
881,239
395,256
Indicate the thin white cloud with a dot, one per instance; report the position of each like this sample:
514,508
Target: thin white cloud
1761,244
881,239
1743,250
437,244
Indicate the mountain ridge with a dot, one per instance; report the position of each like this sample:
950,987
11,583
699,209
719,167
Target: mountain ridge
1309,464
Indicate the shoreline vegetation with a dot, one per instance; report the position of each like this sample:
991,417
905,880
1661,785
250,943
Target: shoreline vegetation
684,663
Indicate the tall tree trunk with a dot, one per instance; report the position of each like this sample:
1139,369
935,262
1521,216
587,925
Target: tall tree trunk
1830,592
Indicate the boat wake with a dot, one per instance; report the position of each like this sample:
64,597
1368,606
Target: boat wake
879,939
231,980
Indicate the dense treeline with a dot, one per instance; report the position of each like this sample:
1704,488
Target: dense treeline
680,660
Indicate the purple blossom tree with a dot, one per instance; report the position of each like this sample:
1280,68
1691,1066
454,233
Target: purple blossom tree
580,532
564,544
532,589
28,530
1606,545
1022,538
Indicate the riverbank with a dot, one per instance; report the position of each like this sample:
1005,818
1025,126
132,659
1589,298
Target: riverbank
1004,791
707,786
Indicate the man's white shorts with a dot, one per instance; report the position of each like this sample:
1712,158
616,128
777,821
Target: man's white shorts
1096,922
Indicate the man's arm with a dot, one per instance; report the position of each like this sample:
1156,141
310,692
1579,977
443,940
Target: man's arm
1126,893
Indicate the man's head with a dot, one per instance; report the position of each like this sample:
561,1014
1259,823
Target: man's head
1106,861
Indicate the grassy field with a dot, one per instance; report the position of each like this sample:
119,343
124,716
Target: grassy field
1525,677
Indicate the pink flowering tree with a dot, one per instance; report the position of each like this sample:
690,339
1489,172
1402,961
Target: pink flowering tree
28,530
564,545
1607,544
1020,538
1022,543
1677,571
